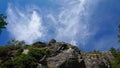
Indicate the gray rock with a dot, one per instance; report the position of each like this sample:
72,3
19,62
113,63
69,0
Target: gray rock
66,59
96,61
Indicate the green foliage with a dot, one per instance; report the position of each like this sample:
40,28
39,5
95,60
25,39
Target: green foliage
22,61
38,53
12,47
39,44
29,60
95,52
4,51
8,51
26,46
7,64
114,52
19,52
16,42
116,62
3,23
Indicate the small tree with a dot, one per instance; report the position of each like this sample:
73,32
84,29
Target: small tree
3,23
16,42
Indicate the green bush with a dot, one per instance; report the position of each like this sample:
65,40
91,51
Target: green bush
26,46
19,52
7,64
12,47
116,62
4,51
39,44
38,53
23,61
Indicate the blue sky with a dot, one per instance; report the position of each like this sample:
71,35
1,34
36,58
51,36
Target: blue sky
88,24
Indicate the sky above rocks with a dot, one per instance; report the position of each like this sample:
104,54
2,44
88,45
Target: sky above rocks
84,23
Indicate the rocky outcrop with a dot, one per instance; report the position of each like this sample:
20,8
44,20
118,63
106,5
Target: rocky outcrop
96,61
63,55
109,55
66,59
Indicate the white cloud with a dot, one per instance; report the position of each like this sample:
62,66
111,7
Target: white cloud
74,20
69,24
25,26
73,42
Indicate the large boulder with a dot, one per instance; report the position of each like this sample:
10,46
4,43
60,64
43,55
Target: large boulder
66,59
58,47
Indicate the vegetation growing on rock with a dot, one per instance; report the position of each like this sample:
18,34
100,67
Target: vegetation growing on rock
55,55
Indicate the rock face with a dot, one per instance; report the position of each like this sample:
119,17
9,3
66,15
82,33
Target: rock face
67,59
109,55
64,55
25,51
96,61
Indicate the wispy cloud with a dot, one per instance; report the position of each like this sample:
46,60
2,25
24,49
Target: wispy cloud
70,23
74,18
24,25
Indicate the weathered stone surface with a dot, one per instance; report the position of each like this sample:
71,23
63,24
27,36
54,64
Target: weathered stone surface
25,51
66,59
64,55
109,55
96,61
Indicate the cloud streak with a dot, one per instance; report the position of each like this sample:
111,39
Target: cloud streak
24,26
74,19
70,23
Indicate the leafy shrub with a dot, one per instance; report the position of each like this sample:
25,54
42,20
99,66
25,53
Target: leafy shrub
116,62
7,64
19,51
23,61
12,47
39,44
38,53
4,51
26,46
